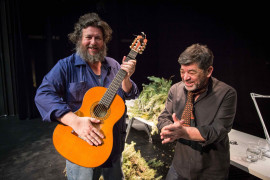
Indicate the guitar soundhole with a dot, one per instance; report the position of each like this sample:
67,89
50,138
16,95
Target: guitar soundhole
99,111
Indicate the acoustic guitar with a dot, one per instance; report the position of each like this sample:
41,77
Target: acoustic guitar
101,103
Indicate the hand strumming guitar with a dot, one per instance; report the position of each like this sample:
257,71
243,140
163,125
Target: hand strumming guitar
86,127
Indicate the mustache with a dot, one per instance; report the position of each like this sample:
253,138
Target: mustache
92,46
84,54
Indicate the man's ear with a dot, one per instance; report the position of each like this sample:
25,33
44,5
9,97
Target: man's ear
209,71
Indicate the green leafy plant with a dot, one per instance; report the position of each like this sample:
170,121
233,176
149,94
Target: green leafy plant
135,166
151,100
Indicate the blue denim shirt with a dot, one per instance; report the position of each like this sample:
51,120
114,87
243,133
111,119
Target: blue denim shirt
63,88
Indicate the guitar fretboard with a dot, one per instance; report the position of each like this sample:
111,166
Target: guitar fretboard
116,83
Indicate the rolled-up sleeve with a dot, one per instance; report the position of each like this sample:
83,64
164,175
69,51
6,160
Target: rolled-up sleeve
223,120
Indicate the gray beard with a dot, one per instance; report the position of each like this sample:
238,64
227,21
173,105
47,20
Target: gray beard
83,53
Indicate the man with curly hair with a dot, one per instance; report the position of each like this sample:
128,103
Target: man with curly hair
62,90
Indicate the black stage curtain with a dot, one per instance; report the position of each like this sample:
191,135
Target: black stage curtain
16,72
34,38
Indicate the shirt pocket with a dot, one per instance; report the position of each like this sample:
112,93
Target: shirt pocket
76,91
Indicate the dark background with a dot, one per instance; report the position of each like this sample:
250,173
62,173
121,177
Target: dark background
34,38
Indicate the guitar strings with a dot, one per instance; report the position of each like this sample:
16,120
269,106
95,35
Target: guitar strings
101,107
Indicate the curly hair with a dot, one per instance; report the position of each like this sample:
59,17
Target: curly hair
90,19
197,53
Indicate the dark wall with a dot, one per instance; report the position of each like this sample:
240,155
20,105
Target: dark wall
237,34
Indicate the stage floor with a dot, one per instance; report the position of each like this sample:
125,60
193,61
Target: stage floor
27,152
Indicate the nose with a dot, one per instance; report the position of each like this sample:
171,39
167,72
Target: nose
186,77
93,41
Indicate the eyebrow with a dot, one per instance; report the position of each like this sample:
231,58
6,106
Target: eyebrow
189,70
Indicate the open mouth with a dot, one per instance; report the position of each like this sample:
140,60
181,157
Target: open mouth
93,49
189,84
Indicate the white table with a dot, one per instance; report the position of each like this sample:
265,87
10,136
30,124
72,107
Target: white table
260,168
147,124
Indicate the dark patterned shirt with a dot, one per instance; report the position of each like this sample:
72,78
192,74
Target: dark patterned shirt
214,113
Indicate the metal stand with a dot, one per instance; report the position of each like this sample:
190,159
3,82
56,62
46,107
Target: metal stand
147,126
254,96
129,127
146,123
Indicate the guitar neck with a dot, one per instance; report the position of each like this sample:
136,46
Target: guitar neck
116,83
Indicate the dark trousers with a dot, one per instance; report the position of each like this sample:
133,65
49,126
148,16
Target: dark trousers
173,175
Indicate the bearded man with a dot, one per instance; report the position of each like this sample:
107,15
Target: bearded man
62,90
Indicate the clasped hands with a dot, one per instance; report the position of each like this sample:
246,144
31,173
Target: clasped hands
173,131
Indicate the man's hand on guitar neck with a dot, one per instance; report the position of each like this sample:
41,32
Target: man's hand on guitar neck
129,67
86,127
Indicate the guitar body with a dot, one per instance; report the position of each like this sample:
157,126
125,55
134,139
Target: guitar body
78,151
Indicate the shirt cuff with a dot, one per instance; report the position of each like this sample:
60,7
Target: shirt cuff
205,133
133,92
57,113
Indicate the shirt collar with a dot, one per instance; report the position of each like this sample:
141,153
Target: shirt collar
105,64
207,88
79,61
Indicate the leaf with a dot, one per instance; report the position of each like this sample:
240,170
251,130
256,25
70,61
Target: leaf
151,100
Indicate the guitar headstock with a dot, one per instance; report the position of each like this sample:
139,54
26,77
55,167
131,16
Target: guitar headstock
139,43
